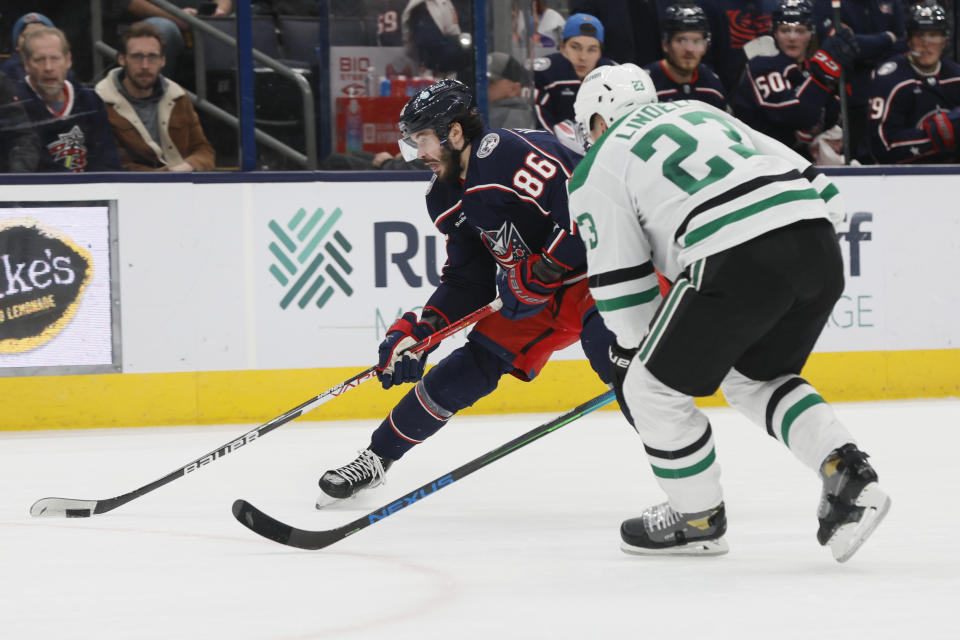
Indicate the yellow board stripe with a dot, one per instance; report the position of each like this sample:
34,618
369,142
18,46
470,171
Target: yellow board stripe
229,397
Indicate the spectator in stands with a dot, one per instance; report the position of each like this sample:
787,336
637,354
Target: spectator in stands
632,28
70,121
434,39
557,77
170,26
506,79
13,67
878,29
19,146
154,123
787,96
914,103
680,74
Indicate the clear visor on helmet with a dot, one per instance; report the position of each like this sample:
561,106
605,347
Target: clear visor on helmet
423,142
408,148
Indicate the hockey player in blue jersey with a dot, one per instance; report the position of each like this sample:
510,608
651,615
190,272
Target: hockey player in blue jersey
500,198
787,96
914,103
557,77
680,74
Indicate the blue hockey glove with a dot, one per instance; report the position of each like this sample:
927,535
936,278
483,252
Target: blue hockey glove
396,367
620,361
527,287
941,128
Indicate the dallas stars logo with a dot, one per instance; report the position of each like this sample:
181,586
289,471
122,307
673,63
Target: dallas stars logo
70,149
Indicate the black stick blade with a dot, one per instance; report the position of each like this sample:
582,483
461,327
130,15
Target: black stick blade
272,529
260,523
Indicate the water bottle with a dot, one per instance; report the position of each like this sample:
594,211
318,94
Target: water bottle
370,85
354,127
384,87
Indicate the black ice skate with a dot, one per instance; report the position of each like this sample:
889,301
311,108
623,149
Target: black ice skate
662,531
366,472
852,504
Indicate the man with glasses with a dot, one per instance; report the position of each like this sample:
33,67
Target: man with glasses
914,103
154,123
680,74
69,120
790,96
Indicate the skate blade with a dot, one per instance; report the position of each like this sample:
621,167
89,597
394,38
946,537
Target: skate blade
324,501
716,547
850,537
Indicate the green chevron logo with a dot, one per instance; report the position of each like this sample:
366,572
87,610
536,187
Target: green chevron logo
300,250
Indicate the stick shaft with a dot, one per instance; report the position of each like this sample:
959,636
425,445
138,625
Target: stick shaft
268,527
844,106
71,507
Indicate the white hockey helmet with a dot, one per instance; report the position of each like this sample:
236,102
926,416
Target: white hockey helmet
612,92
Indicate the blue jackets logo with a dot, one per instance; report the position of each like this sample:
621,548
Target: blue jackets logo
300,247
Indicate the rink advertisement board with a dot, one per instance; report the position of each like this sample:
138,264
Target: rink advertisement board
57,288
241,297
336,270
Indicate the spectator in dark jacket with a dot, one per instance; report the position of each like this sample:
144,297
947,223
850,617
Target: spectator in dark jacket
70,121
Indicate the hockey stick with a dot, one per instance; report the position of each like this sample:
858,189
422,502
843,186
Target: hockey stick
268,527
844,108
74,508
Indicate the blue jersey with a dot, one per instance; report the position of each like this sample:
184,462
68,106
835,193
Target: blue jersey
778,97
555,88
900,100
78,137
704,85
512,204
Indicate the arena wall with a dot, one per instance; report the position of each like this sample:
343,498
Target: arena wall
232,298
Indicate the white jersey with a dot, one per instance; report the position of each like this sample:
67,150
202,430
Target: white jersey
673,183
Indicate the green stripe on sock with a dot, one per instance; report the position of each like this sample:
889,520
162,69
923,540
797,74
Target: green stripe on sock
794,412
686,472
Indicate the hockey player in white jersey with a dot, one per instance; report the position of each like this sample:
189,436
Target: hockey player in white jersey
742,226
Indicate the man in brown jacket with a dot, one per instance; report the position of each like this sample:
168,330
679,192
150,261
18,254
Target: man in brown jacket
154,123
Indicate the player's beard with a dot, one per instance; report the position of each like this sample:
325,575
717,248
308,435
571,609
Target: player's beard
449,165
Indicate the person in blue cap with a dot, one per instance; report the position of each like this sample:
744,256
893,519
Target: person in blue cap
557,77
13,67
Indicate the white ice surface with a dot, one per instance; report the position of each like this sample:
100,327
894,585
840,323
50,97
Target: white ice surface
524,548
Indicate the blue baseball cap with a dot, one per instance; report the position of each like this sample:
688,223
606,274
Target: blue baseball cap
583,24
29,18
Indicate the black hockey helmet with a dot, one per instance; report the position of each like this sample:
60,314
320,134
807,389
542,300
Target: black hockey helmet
435,108
927,16
684,16
793,12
